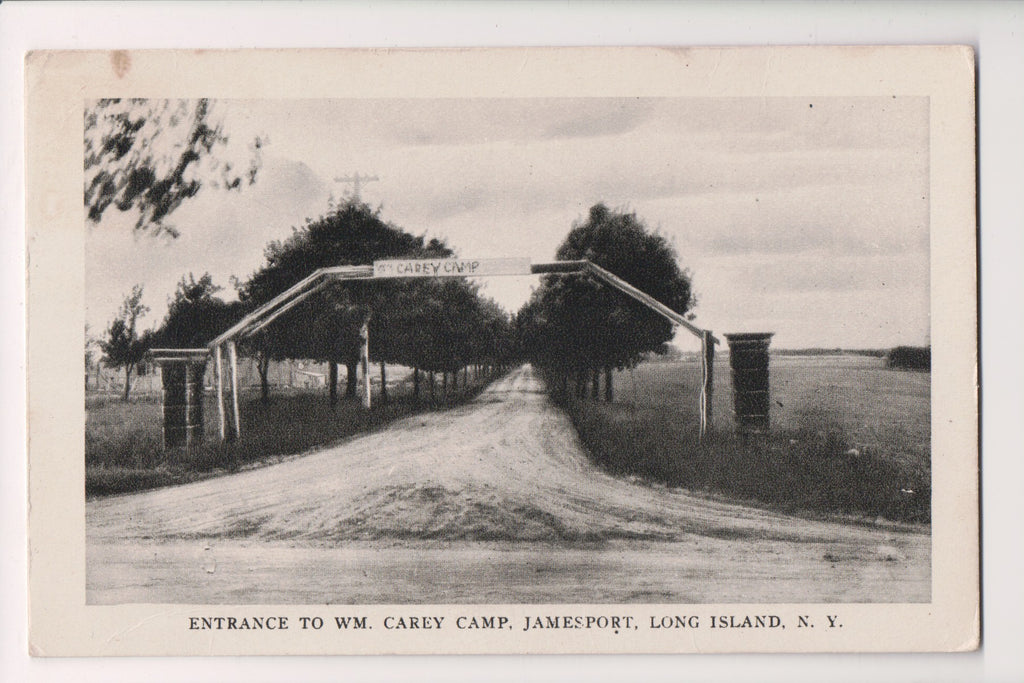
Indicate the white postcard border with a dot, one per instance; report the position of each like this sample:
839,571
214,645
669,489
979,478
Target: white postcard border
62,624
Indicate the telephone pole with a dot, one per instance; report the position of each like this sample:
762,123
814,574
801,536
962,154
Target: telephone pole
357,181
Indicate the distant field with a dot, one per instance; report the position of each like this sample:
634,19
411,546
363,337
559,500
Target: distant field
848,435
878,407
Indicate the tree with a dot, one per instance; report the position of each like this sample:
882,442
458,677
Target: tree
432,325
326,325
123,347
151,155
575,326
438,323
194,315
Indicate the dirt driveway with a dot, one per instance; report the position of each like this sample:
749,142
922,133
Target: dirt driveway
493,502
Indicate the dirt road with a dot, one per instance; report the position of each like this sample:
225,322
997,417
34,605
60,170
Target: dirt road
491,502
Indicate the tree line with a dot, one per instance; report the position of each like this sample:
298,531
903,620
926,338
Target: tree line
573,328
434,326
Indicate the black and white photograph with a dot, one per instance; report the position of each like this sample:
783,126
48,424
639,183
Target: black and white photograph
531,368
301,398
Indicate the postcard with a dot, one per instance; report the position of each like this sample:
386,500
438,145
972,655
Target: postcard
574,350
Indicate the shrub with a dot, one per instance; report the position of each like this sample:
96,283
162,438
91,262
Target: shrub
910,358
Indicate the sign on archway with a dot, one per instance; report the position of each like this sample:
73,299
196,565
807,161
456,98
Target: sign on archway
451,267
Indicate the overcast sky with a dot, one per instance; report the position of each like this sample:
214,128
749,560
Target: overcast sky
803,217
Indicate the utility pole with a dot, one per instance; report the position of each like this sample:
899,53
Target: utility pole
357,181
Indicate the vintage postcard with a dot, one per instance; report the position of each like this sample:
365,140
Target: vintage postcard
610,350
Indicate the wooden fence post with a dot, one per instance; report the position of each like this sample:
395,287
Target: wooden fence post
219,367
707,364
364,360
163,409
332,381
233,360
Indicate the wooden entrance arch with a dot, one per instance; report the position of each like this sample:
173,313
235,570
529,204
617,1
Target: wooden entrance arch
431,268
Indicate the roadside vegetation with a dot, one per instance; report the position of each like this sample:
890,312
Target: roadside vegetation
577,329
123,444
910,358
848,436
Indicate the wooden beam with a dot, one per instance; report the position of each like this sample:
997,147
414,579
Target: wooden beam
646,299
285,308
291,297
233,359
270,305
161,355
335,272
220,392
559,267
349,272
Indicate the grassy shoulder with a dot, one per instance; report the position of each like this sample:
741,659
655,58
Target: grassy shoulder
848,436
123,442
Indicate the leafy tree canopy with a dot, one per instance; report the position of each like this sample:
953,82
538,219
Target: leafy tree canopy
326,326
353,234
437,325
195,315
573,322
151,155
443,325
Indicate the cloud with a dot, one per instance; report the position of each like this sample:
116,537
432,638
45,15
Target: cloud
792,211
627,170
717,204
817,300
467,122
766,124
600,117
223,233
839,219
821,271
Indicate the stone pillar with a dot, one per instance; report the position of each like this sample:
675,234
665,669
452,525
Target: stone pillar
182,402
748,357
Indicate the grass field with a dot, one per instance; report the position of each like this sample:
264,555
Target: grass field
123,442
848,435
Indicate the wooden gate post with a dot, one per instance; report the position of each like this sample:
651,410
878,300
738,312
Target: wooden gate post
364,360
192,435
707,364
219,367
233,360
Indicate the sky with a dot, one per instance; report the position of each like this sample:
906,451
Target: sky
806,217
